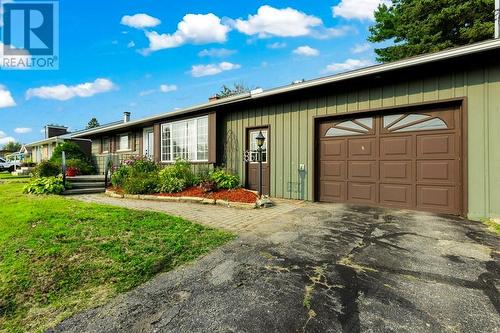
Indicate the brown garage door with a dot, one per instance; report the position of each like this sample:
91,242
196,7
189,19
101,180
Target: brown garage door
405,160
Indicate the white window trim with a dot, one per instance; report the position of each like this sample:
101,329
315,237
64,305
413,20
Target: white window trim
170,124
128,143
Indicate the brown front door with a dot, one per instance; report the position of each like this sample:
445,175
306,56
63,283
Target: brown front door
252,164
405,160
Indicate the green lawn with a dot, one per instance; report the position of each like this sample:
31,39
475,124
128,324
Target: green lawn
8,177
60,256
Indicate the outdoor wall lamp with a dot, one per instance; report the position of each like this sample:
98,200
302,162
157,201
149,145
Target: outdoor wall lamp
260,142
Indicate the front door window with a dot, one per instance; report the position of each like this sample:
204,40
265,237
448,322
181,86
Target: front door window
254,153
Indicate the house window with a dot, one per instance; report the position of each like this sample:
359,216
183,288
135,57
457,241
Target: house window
186,139
105,145
123,141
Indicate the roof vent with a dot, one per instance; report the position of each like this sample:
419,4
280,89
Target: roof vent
126,117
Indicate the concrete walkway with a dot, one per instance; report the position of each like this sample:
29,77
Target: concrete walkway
231,219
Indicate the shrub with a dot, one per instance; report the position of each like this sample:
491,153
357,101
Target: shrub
46,169
225,180
176,177
120,175
28,164
71,150
142,164
83,167
208,186
141,183
75,158
44,185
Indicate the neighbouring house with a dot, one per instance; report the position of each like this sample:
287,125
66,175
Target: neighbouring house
421,133
23,155
4,152
54,134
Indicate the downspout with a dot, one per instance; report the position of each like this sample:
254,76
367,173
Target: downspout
497,18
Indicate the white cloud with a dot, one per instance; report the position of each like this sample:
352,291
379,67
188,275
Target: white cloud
358,9
194,28
4,139
147,92
361,48
140,21
22,130
131,44
216,53
348,65
277,45
6,99
306,51
269,21
165,88
212,69
63,92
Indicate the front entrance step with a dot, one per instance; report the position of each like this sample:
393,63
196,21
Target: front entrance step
84,191
82,179
87,185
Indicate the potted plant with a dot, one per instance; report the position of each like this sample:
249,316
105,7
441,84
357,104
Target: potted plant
72,168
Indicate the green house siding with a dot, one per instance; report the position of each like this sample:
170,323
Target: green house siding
292,130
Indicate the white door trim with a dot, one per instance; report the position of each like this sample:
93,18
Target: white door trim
146,145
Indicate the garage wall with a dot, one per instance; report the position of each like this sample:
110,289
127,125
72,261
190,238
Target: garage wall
292,131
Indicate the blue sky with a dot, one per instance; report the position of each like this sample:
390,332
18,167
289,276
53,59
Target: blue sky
153,56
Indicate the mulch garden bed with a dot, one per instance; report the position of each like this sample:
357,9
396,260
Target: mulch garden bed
236,195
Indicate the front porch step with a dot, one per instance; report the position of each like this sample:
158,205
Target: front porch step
84,179
87,185
84,191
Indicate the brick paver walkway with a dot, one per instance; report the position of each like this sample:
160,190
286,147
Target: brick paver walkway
231,219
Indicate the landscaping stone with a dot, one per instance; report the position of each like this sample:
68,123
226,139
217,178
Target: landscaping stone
165,198
191,199
264,202
207,201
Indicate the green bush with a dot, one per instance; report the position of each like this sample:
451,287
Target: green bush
142,164
120,175
75,158
141,183
46,169
177,177
71,150
224,179
136,176
83,167
45,185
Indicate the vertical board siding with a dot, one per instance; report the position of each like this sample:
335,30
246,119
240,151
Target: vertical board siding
494,139
292,130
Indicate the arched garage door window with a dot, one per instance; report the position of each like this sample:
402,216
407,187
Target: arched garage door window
412,122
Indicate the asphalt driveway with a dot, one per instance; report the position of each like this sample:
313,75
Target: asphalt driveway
324,268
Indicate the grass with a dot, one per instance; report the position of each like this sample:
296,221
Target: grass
493,226
60,256
8,177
